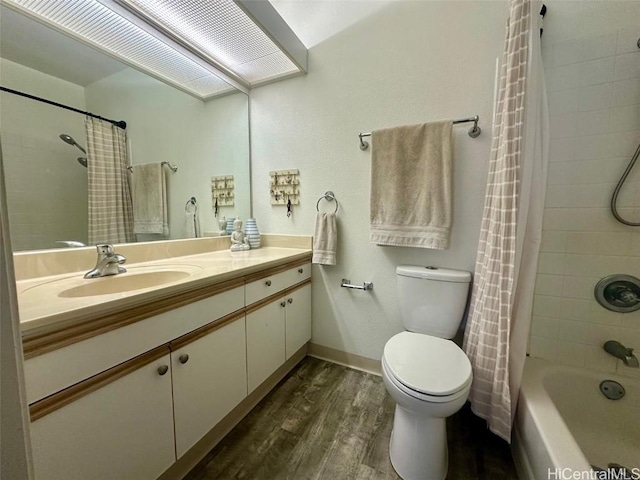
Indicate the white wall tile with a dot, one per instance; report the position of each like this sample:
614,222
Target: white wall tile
553,241
561,78
568,52
627,41
574,309
570,353
593,122
614,243
565,101
563,125
544,327
548,285
598,71
626,92
597,334
593,97
546,305
625,119
597,359
579,287
588,152
562,149
599,314
545,348
582,242
551,263
599,46
572,331
627,66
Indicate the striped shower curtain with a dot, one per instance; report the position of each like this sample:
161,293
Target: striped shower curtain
110,203
500,312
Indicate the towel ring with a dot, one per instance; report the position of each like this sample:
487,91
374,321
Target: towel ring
329,197
191,201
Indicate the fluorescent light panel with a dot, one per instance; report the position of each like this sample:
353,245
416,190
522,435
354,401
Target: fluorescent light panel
194,45
224,32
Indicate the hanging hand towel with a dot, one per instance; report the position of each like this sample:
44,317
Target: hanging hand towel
150,199
192,225
411,186
325,239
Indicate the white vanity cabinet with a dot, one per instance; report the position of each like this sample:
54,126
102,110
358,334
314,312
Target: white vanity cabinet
265,341
118,427
202,353
297,319
209,369
275,331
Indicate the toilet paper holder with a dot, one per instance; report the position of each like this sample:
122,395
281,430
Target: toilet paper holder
365,286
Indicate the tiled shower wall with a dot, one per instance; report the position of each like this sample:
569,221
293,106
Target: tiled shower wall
593,84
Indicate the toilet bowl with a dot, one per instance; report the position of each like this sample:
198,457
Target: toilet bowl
429,378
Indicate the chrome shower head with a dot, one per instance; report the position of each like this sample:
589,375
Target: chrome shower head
69,139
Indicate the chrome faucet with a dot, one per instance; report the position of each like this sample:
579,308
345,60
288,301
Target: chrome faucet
623,353
108,262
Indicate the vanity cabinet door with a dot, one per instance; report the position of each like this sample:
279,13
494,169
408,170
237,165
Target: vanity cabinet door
297,319
265,341
122,430
209,380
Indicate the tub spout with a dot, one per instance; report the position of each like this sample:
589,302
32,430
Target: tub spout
623,353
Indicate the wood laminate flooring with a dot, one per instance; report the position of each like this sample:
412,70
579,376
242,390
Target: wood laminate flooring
326,421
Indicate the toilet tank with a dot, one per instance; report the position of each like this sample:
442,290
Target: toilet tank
432,300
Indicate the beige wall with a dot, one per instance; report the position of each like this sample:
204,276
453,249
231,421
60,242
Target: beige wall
408,62
592,67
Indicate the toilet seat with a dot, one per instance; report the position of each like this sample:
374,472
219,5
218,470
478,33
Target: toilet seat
428,368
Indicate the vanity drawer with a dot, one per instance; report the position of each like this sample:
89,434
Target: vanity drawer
53,371
261,288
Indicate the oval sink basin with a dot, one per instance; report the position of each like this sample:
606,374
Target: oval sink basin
123,282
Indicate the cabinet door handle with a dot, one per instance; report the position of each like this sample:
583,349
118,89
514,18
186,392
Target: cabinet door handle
283,304
300,270
290,300
162,369
184,358
268,283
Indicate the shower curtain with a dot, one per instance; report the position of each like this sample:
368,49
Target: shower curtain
499,319
110,201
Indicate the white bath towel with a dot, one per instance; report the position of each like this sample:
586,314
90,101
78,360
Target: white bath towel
411,186
150,199
325,239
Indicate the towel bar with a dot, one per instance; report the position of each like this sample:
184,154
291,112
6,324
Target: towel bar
473,131
365,286
173,168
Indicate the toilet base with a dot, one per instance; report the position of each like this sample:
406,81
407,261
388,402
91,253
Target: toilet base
418,446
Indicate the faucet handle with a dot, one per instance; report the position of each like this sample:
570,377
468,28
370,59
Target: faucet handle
105,249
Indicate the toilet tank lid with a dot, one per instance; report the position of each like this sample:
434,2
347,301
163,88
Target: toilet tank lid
434,273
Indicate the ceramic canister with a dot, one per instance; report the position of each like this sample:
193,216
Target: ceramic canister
252,232
230,225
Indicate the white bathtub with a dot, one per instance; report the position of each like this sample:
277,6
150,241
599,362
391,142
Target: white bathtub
564,424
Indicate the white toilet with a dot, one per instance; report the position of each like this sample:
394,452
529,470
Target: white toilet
427,375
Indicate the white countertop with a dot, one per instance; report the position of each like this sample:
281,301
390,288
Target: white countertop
42,308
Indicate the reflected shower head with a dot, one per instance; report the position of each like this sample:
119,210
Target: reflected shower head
82,161
69,139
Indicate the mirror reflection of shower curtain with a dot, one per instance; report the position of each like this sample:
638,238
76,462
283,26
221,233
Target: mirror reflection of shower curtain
110,201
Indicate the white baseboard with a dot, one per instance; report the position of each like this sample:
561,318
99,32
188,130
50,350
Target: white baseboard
350,360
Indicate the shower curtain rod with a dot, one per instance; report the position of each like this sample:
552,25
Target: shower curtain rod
118,123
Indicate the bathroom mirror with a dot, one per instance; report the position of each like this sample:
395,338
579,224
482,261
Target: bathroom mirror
45,176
